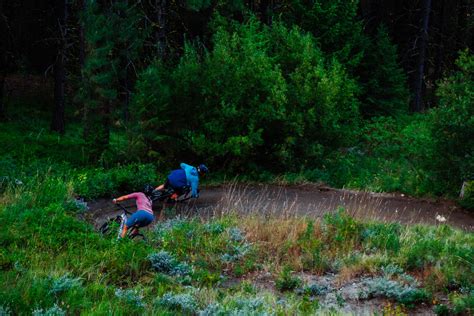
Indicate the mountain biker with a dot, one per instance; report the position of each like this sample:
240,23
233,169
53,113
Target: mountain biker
182,179
144,214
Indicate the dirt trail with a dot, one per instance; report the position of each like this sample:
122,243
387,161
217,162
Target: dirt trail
310,200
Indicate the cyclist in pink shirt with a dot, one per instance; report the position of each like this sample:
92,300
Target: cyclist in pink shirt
144,214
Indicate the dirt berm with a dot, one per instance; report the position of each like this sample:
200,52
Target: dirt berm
309,200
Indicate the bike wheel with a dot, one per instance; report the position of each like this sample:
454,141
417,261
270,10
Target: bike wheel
135,234
107,228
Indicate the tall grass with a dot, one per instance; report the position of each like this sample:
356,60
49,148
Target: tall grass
51,259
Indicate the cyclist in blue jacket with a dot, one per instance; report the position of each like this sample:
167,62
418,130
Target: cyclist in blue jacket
186,177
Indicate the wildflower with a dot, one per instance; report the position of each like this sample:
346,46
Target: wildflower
440,218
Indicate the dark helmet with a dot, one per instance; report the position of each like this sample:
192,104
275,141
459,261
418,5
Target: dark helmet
202,169
148,189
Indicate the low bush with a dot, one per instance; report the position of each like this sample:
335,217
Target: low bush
406,294
184,303
286,281
93,183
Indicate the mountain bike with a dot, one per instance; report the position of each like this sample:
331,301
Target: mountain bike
108,227
133,232
166,195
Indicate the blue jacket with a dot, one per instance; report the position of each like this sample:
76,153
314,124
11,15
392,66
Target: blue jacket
177,179
192,178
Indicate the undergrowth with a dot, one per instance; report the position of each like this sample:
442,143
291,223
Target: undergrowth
50,260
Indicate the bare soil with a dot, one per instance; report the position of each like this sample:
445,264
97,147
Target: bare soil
307,200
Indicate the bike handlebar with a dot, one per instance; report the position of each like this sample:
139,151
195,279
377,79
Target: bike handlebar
123,208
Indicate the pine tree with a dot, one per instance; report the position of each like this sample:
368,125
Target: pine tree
384,82
114,41
99,86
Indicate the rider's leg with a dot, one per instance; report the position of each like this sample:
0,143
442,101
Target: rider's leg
140,218
124,230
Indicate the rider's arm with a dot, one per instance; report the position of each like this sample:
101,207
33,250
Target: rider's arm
125,197
185,166
194,186
192,177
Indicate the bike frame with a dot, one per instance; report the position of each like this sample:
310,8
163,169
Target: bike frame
123,220
164,196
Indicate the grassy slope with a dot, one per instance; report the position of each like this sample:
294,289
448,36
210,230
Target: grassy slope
50,260
49,257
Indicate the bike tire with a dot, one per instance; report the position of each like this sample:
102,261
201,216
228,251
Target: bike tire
138,236
105,228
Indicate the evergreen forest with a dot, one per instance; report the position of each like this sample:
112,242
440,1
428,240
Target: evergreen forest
364,100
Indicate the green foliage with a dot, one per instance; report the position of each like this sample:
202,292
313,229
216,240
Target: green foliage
453,125
341,229
406,294
100,182
286,281
131,296
114,38
382,237
184,303
423,247
207,247
63,284
197,5
461,304
334,24
468,198
385,86
395,154
265,79
45,249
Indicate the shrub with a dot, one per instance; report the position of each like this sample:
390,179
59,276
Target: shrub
385,83
239,306
5,310
165,263
422,251
462,303
280,73
468,200
162,261
131,296
52,311
63,284
384,237
341,230
453,125
184,303
101,182
286,281
315,289
408,295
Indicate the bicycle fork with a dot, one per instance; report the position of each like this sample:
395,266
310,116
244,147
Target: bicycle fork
123,220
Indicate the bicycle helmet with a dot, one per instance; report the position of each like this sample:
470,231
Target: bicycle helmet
148,189
202,169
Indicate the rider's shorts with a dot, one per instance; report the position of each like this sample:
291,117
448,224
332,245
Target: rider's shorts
178,190
140,218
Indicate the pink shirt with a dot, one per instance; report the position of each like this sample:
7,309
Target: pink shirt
143,203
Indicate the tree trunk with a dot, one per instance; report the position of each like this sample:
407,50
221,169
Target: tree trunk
82,42
160,34
128,93
3,59
418,105
265,9
58,122
441,40
2,104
